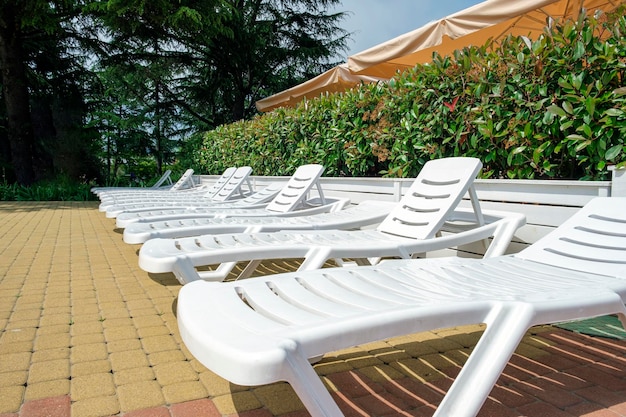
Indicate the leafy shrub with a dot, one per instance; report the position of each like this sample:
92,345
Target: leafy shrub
59,189
549,108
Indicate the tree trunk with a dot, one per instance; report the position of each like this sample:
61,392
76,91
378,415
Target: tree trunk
14,83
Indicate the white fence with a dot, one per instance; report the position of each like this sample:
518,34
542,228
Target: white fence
546,204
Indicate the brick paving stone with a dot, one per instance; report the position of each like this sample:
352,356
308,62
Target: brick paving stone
199,408
150,412
48,407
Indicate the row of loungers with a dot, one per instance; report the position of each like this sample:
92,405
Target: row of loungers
267,329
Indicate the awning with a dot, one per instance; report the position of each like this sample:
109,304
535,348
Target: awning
476,25
336,79
491,19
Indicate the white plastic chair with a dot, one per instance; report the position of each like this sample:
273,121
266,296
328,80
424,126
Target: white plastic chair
265,329
410,228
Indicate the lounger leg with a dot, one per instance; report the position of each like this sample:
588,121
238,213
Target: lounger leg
249,269
505,329
310,388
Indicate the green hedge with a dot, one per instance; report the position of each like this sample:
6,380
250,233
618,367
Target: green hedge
549,108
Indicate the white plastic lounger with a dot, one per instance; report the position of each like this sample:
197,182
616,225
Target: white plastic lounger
366,213
262,330
230,183
258,199
165,179
291,200
410,228
184,183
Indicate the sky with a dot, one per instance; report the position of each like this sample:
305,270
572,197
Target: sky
375,21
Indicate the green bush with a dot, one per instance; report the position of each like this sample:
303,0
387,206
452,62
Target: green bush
59,189
549,108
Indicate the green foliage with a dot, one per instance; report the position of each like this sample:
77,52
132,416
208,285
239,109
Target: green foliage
549,108
61,188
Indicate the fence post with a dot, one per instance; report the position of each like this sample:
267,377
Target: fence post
618,182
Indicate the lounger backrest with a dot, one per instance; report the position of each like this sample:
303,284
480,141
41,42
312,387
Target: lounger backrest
165,177
593,240
212,189
182,180
434,194
232,186
296,189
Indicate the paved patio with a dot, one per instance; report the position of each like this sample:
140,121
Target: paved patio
85,332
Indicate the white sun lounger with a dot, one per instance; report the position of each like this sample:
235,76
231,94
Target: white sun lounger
265,329
366,213
185,182
410,228
258,199
291,200
228,186
165,179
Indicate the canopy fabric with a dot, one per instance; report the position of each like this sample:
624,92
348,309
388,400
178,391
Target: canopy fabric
339,78
491,19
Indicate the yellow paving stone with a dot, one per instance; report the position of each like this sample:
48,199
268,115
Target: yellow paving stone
18,335
19,325
184,391
124,345
279,398
48,371
96,407
147,312
168,356
30,314
216,385
8,379
128,359
154,344
90,308
330,366
53,328
128,376
237,402
174,372
11,399
92,386
108,323
417,369
50,354
153,331
51,341
363,361
140,395
88,339
47,389
381,373
148,321
90,368
89,352
120,333
18,361
94,327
